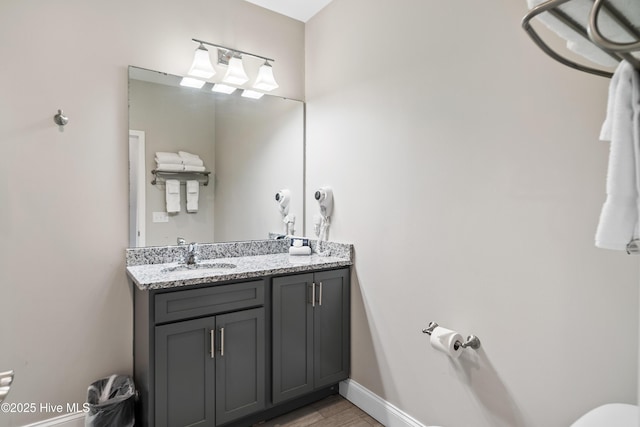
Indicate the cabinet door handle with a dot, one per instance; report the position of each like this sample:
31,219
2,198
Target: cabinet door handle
320,296
212,349
221,341
313,294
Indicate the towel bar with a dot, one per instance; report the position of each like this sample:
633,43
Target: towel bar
589,31
177,174
633,248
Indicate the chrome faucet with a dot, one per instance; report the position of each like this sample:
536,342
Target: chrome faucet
181,241
191,257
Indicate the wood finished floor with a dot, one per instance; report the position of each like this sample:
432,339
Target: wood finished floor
333,411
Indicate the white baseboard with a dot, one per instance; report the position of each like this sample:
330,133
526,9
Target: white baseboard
68,420
384,412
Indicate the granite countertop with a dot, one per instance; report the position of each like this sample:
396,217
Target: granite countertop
158,274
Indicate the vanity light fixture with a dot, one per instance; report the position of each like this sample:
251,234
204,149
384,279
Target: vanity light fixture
191,82
265,79
247,93
222,88
201,66
235,72
232,59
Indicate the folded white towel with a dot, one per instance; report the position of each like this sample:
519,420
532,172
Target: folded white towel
189,168
193,189
172,194
170,158
190,159
169,167
579,10
192,162
619,217
185,154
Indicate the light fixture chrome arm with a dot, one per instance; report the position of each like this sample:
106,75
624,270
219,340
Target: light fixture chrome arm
234,50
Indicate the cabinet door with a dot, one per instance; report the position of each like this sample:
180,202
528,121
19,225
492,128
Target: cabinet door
185,374
240,364
331,327
292,333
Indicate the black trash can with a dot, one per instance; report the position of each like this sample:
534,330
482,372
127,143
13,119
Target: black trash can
111,402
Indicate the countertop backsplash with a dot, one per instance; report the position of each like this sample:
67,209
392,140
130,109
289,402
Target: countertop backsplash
167,254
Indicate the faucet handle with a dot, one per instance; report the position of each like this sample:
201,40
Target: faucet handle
191,257
181,241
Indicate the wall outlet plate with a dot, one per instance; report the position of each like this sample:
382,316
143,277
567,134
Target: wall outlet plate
160,217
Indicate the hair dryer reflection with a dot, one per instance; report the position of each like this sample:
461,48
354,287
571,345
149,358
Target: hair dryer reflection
283,197
324,197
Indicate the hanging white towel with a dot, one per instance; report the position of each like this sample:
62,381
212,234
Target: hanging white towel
619,217
172,193
193,190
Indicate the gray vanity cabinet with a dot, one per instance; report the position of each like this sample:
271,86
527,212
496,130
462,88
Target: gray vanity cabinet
310,332
236,353
185,374
210,371
240,365
207,360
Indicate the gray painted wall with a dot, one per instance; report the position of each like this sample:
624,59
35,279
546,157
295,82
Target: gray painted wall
467,171
64,194
492,158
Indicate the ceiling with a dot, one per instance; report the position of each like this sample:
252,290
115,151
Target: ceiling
302,10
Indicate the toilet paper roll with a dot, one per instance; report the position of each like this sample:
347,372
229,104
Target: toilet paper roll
444,340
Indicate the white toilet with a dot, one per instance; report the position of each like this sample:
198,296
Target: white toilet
610,415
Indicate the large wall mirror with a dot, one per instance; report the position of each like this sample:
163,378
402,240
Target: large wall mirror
252,147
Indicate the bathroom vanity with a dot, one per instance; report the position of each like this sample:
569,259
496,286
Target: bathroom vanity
248,333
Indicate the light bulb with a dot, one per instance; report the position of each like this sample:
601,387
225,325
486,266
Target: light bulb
201,66
265,79
235,72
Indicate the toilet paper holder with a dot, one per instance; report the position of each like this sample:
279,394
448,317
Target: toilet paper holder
472,340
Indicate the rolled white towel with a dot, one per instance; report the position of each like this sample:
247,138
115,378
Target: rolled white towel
190,168
168,158
169,167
